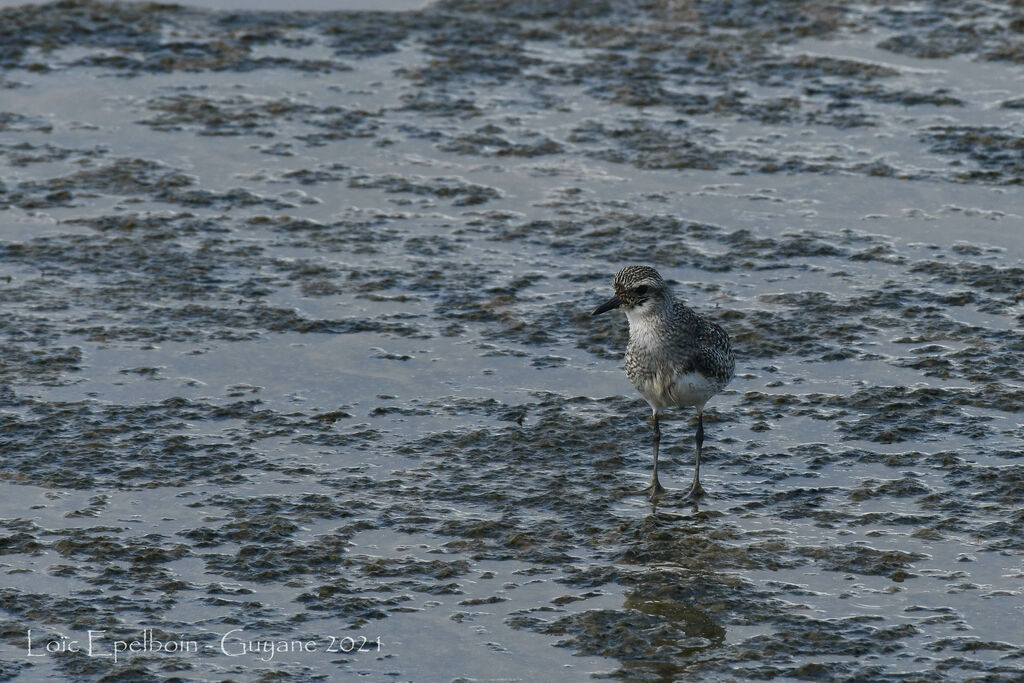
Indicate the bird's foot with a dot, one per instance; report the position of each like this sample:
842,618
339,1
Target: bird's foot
653,491
695,493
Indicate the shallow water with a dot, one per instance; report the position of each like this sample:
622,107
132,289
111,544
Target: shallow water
298,341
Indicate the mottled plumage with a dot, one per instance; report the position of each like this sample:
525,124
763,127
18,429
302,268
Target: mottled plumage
674,356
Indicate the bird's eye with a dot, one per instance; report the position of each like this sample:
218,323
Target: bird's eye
641,290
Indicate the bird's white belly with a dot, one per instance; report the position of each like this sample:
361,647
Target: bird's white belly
688,389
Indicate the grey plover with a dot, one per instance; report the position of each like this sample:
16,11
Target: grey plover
674,356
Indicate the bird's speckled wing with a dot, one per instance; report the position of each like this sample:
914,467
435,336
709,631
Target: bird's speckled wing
713,356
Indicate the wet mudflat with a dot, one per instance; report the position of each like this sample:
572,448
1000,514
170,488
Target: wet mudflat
298,376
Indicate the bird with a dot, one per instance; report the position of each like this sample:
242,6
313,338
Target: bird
674,357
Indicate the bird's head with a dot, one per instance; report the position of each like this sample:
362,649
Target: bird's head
637,289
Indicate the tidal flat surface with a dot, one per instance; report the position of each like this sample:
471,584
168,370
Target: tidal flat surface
298,376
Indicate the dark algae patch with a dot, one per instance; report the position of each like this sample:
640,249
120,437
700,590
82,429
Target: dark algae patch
298,376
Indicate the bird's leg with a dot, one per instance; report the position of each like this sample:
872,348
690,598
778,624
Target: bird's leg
655,489
696,491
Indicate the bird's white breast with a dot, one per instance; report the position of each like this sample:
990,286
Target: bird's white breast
663,388
641,329
691,389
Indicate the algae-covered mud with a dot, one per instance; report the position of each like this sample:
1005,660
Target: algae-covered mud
298,376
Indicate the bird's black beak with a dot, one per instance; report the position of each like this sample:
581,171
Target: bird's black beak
608,305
